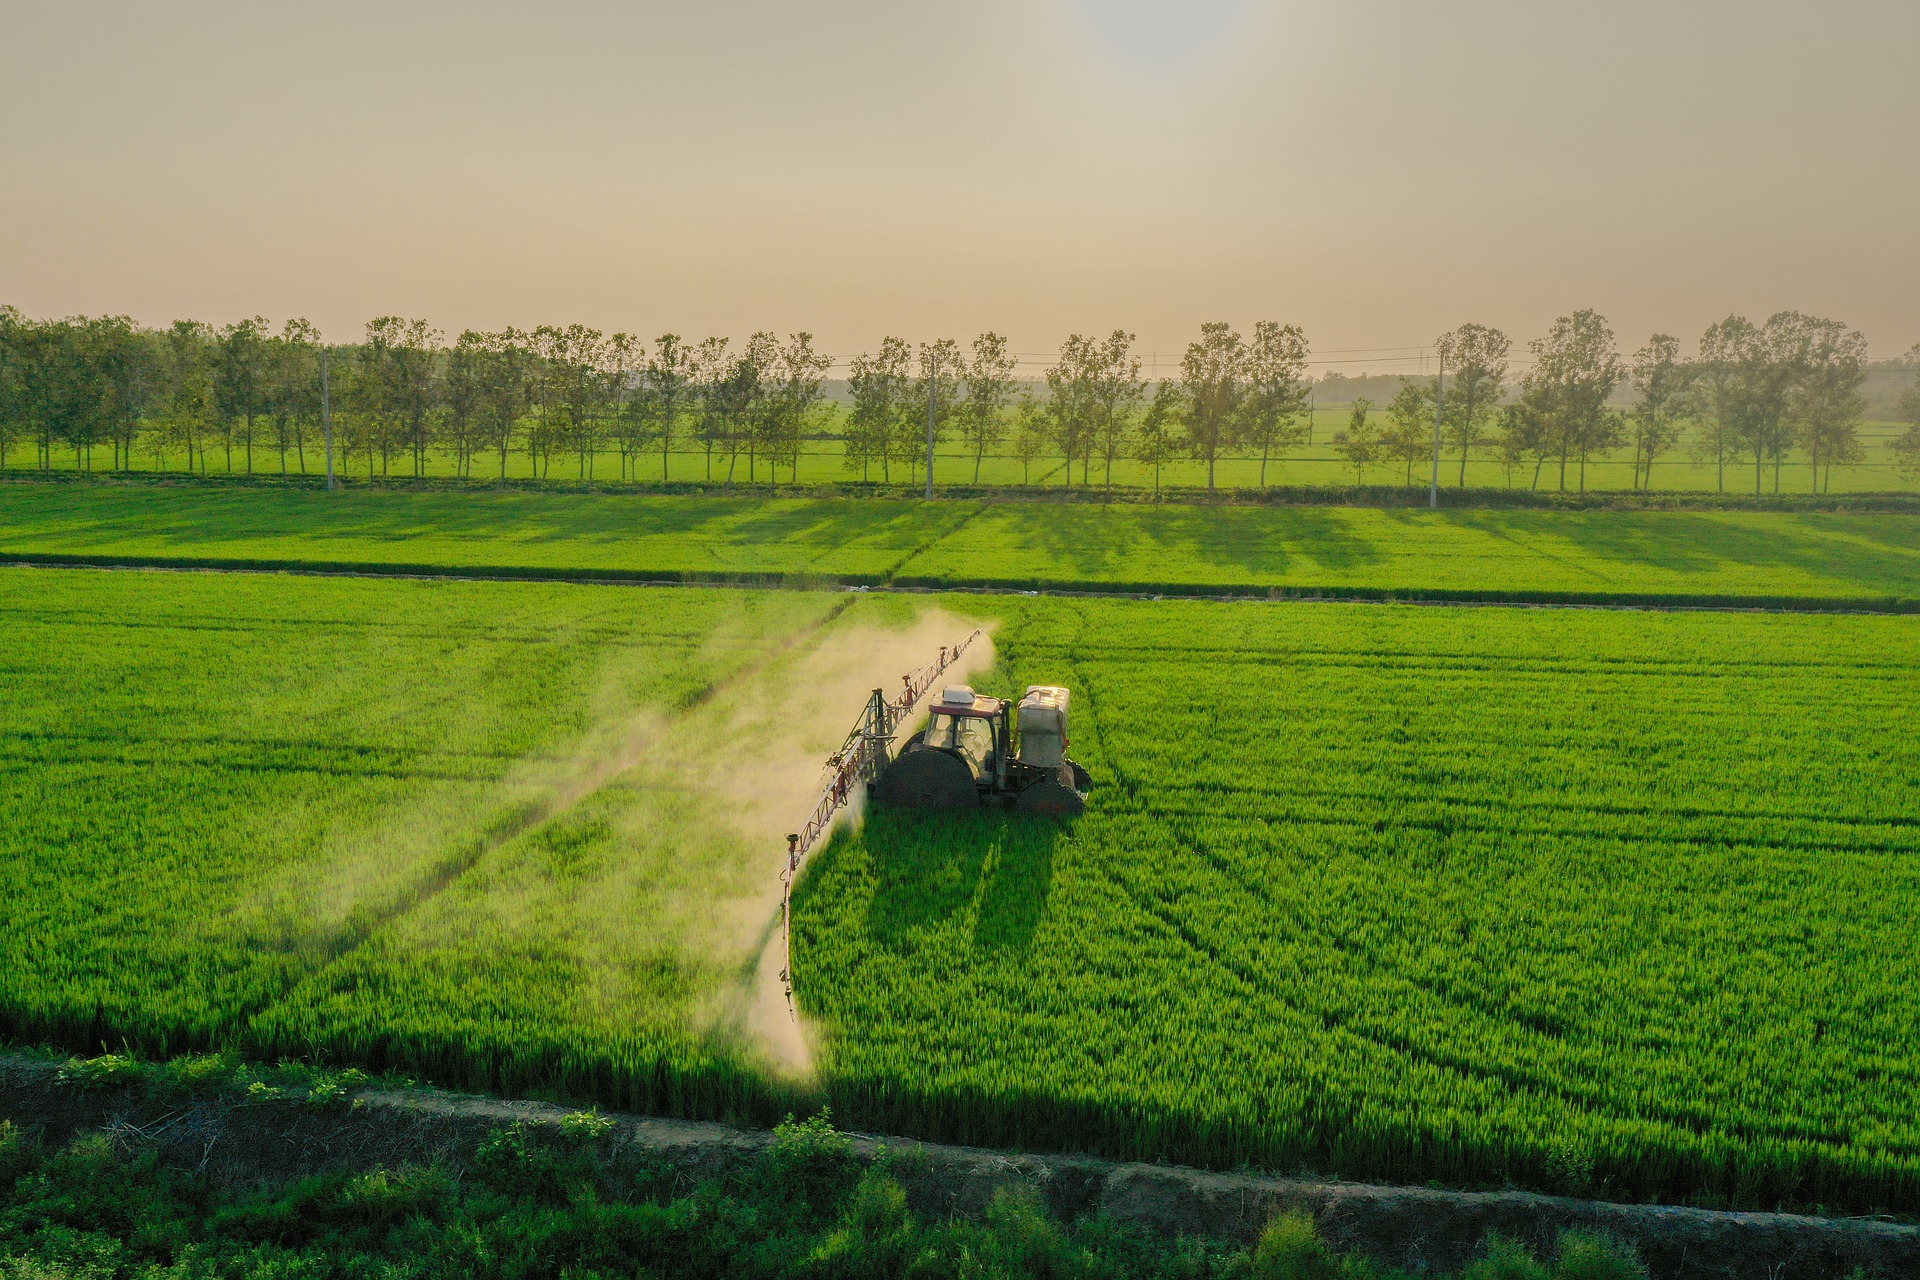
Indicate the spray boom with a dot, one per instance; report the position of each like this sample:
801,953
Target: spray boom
860,758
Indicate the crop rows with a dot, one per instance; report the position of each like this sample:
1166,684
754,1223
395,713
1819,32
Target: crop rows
1604,901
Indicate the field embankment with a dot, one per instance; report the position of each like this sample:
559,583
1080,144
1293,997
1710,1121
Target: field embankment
240,1142
1700,558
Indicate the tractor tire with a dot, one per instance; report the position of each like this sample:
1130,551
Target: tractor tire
1055,799
926,779
1082,780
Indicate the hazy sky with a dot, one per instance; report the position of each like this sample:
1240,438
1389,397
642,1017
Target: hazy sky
1374,170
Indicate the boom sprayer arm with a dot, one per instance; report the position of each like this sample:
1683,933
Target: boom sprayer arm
860,759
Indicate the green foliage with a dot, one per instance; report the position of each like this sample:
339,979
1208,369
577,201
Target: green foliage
586,1126
107,1071
1589,1255
541,1208
1291,1249
1506,1259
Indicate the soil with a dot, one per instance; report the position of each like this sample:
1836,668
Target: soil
241,1143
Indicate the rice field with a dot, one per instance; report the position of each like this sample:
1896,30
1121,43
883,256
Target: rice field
1595,901
1596,556
1618,903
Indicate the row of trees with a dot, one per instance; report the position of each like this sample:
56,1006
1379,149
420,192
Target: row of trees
1753,394
261,398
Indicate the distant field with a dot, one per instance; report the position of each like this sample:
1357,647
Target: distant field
822,462
1591,901
1597,555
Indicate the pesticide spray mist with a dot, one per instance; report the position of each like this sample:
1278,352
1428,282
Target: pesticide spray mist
671,823
779,779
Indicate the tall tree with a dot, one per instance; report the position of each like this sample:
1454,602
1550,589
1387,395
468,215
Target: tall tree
618,372
1157,442
1114,395
573,362
1906,446
1360,443
713,365
1410,437
668,378
1660,381
1723,388
881,386
1032,432
240,382
187,409
1276,390
400,387
1824,403
1213,384
1474,360
506,390
127,369
1069,402
462,391
793,391
1575,370
987,381
935,391
295,393
13,399
1521,436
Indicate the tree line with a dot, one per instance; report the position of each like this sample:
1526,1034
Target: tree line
256,398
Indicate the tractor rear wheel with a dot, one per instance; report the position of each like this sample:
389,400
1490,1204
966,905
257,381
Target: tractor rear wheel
926,779
1051,798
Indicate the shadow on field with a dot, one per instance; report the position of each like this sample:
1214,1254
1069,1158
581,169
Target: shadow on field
932,869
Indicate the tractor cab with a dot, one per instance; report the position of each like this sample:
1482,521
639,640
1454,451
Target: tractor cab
969,726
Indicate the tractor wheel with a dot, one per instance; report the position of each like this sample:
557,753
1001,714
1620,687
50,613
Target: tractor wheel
1082,780
926,779
1051,798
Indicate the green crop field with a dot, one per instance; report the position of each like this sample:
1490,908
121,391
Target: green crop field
1682,556
415,823
1615,902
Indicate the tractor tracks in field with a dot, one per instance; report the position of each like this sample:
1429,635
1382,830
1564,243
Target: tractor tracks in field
886,583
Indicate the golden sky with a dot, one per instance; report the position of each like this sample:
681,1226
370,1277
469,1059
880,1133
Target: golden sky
1374,170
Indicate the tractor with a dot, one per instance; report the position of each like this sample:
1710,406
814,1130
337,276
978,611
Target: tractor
977,750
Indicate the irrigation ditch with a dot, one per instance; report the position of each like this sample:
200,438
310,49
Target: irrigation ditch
240,1142
1654,603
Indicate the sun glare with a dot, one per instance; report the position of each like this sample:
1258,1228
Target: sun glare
1162,33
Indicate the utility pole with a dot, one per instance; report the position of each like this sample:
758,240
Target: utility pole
326,416
933,385
1439,406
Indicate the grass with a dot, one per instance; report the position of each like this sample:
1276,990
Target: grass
1604,902
1595,902
1594,556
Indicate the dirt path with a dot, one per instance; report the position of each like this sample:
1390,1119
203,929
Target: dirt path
243,1144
